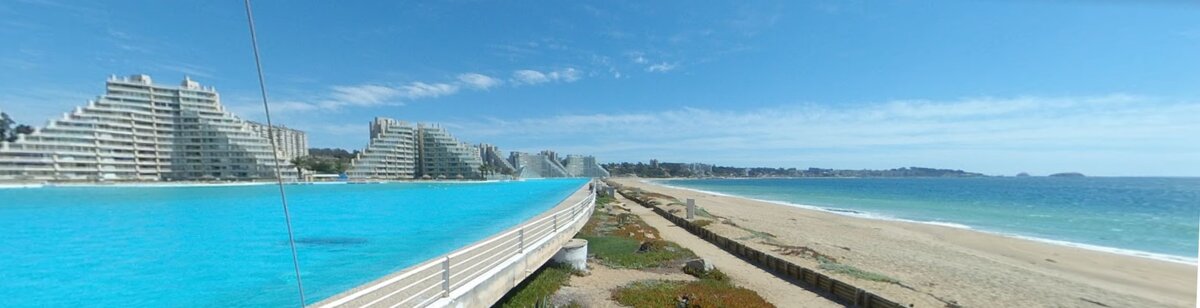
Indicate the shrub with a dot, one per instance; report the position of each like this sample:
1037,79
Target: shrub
701,293
714,274
537,288
620,252
856,273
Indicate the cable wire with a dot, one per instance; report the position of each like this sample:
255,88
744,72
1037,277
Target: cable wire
287,218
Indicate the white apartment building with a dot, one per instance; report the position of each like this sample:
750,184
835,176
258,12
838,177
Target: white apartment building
444,157
490,154
400,151
291,142
141,131
585,166
391,153
540,165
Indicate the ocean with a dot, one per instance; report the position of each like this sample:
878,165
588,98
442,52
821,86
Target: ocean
1148,217
226,246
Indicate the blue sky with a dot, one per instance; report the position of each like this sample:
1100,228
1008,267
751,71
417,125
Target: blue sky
1000,87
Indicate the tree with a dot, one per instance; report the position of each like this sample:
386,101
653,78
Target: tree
5,126
301,163
20,130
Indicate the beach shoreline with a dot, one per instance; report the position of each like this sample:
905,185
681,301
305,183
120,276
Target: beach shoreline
866,215
226,184
938,264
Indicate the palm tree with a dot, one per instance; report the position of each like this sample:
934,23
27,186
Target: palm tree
300,162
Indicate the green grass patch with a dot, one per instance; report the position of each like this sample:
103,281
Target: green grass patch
702,222
536,290
603,200
856,272
714,274
622,252
704,213
701,293
623,240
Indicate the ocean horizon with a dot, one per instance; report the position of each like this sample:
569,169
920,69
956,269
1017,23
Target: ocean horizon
1149,217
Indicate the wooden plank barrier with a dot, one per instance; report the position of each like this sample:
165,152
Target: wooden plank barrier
844,292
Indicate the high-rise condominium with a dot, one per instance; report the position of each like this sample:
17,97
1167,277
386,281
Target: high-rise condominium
142,131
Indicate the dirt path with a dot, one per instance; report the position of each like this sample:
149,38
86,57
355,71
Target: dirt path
774,289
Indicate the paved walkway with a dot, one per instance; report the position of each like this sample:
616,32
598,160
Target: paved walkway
774,289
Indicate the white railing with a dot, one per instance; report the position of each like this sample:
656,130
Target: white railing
437,278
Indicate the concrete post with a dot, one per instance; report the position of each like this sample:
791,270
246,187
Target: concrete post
446,277
691,209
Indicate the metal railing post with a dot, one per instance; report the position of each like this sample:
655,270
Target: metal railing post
521,240
446,277
555,221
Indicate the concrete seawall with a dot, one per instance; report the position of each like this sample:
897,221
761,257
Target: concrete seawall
479,274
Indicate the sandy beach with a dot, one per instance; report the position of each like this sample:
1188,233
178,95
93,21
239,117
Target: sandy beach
937,265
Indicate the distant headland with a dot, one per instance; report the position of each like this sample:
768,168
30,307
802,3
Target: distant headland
656,169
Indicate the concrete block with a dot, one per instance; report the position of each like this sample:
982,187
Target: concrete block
573,253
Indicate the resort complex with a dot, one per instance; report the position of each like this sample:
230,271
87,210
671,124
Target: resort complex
141,131
401,151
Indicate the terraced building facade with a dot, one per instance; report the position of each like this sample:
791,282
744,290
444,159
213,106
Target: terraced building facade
141,131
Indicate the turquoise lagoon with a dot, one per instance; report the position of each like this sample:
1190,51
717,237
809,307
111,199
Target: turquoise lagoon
227,245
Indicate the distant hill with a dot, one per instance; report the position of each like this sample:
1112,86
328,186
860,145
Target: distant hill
669,170
1068,175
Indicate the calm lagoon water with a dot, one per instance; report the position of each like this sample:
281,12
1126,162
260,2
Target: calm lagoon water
1153,217
227,246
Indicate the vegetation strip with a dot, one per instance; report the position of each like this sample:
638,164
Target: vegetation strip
624,240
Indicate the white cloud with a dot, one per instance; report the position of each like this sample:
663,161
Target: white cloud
188,69
661,67
417,90
479,81
531,77
368,95
373,94
566,75
638,57
1103,135
292,106
363,95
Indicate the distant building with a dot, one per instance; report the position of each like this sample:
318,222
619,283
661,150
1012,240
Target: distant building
444,157
292,143
141,131
584,166
491,156
537,166
401,151
698,169
653,163
553,156
391,153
